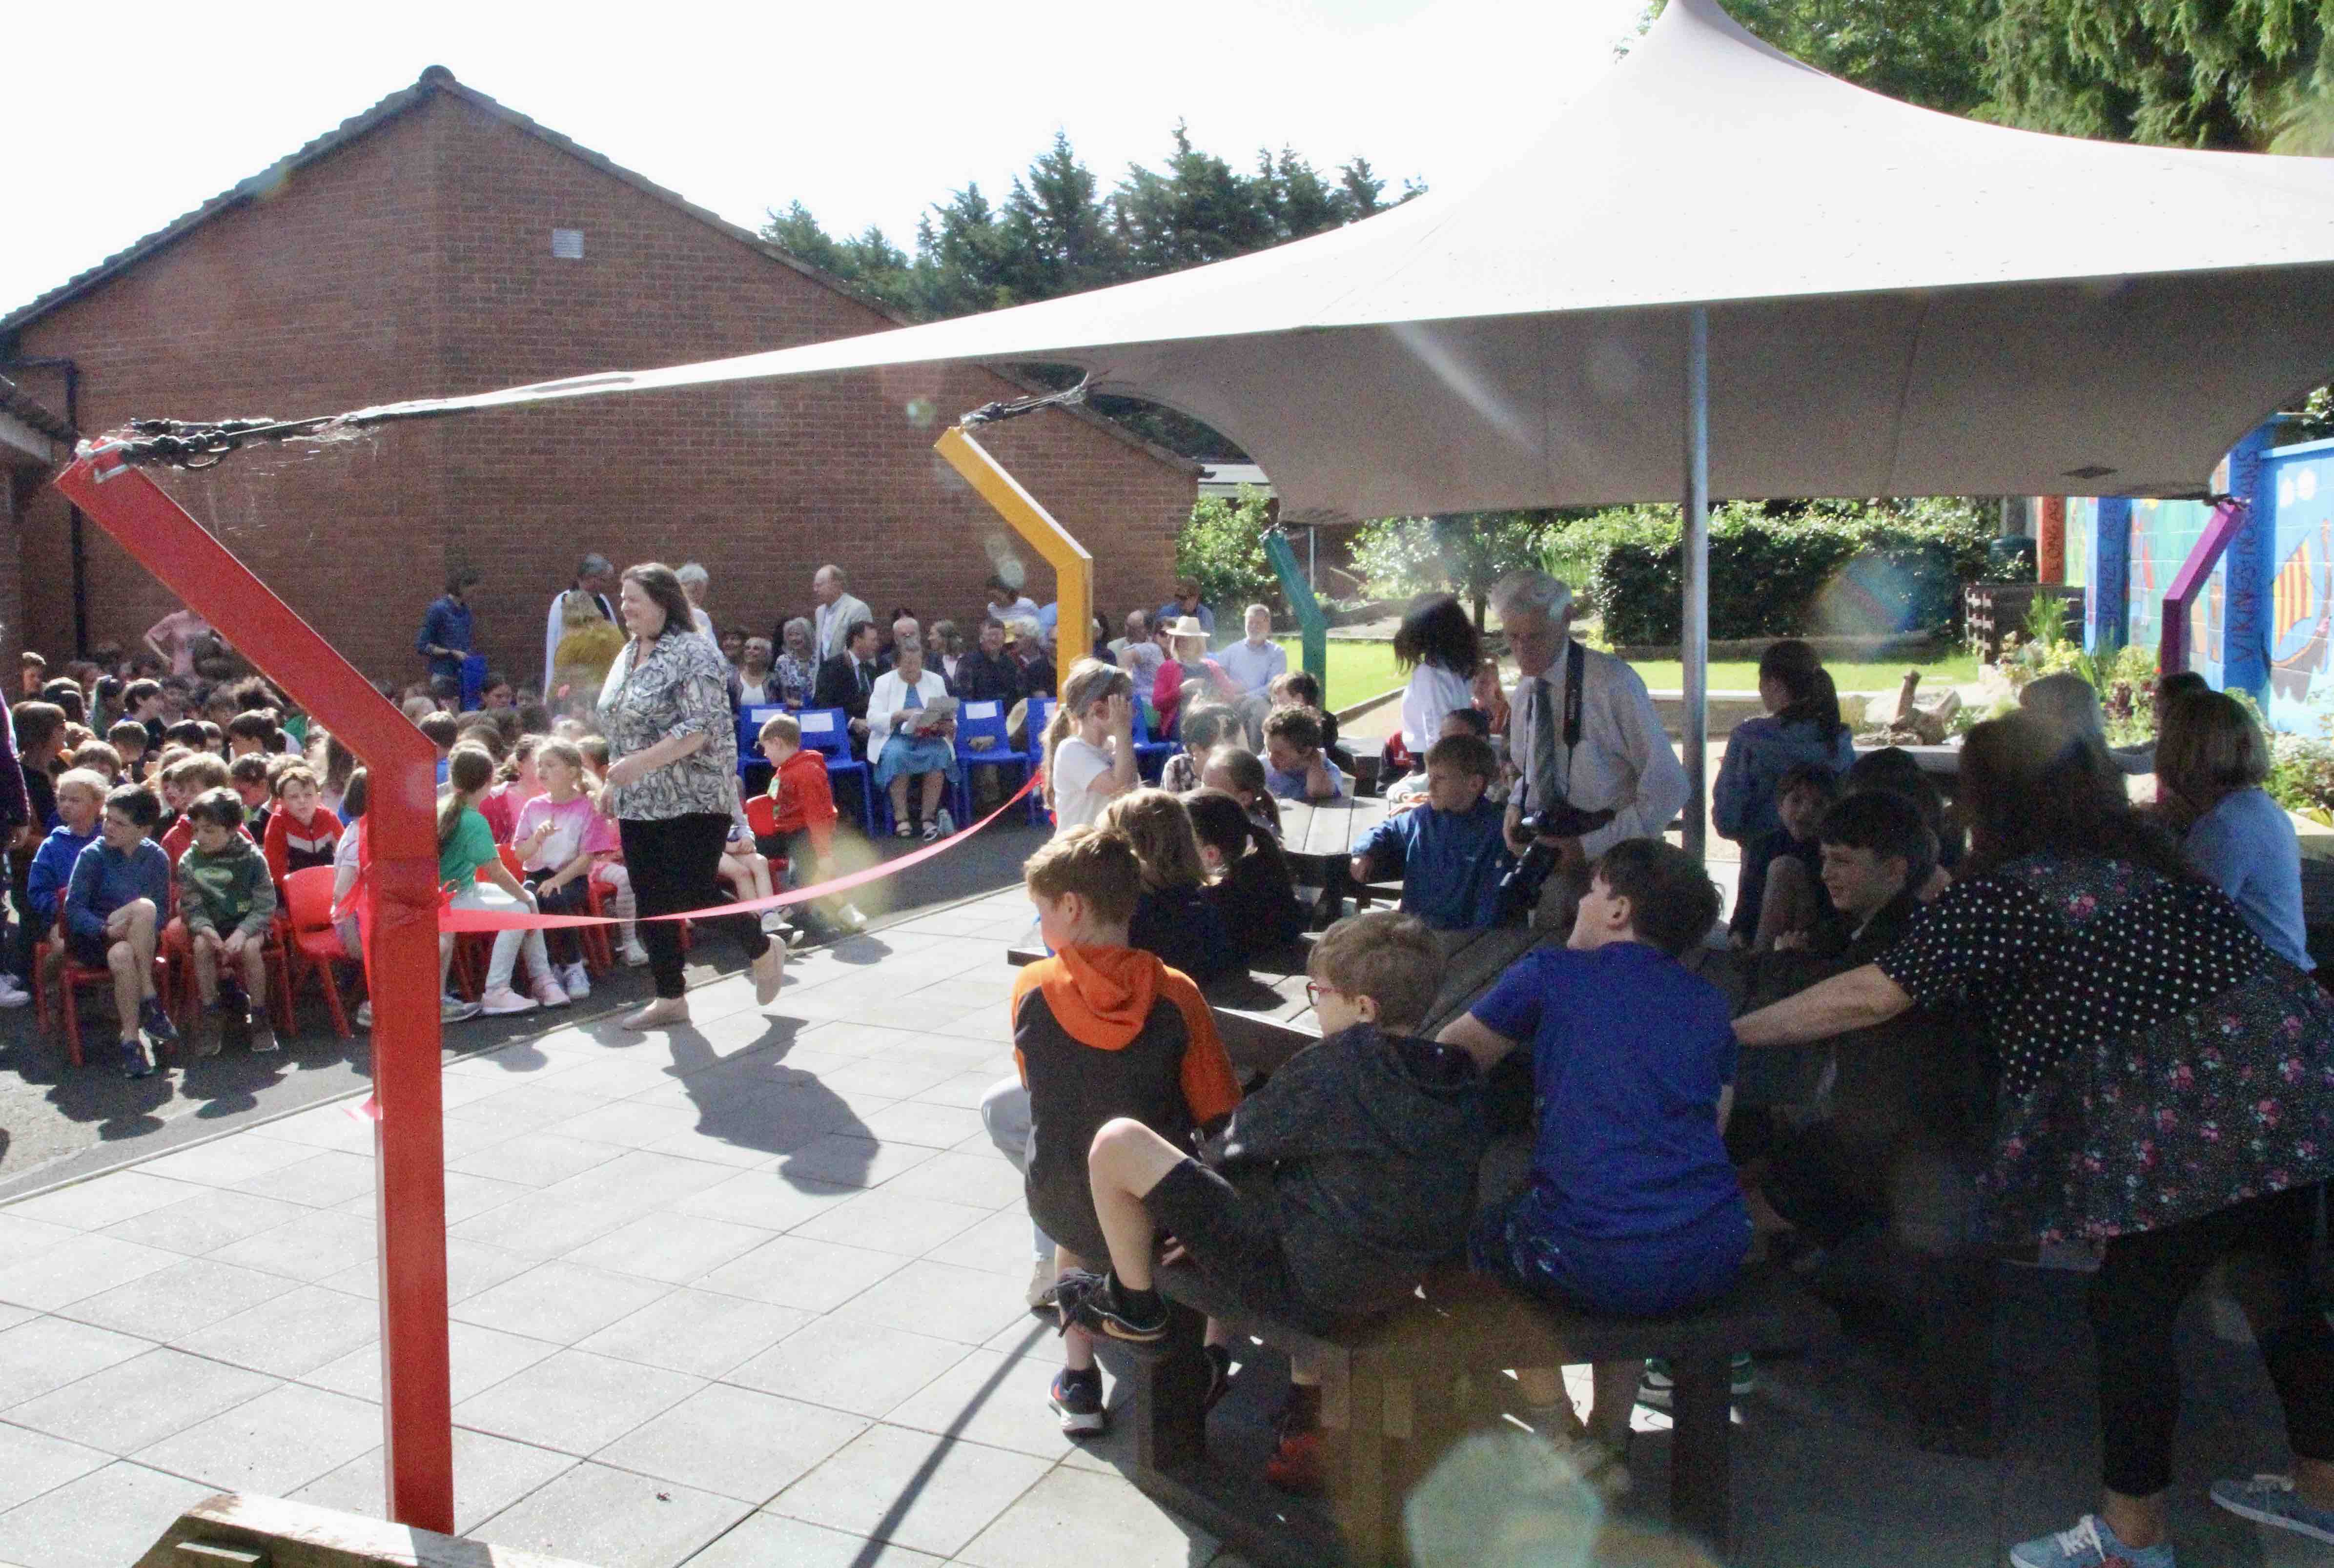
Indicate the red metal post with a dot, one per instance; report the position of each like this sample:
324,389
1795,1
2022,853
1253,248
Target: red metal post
401,930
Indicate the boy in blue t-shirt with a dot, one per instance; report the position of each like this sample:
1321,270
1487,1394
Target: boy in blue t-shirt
1296,760
114,905
1633,1207
1450,854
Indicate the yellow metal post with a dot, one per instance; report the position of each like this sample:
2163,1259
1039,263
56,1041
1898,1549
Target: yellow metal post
1073,567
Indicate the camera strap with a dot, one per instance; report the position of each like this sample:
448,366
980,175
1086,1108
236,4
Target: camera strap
1559,788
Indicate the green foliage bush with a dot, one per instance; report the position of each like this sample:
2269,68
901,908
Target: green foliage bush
1222,549
1462,554
1816,567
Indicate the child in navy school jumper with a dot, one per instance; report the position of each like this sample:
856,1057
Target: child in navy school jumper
1172,917
1450,854
1632,1207
113,909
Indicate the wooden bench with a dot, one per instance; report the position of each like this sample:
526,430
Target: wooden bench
1394,1393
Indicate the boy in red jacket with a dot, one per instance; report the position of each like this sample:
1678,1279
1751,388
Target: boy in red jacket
803,803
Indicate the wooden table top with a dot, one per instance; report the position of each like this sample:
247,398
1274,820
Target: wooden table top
1328,830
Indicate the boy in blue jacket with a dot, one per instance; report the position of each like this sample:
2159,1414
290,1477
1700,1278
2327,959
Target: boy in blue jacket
81,806
114,907
1450,852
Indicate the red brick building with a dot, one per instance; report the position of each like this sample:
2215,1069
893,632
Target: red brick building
441,243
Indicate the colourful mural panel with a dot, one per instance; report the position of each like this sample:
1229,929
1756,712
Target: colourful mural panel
2301,479
2161,534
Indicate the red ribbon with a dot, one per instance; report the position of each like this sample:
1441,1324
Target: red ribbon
451,919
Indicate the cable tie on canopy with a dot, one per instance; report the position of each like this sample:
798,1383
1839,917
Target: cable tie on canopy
183,444
1014,408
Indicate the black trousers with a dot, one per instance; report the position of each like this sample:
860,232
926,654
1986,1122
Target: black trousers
2134,1299
675,864
569,898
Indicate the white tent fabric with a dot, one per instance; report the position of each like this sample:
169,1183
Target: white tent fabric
1900,302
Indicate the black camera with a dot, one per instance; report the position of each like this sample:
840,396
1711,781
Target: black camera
1519,889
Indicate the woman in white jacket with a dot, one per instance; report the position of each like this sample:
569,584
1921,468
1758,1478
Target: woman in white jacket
907,748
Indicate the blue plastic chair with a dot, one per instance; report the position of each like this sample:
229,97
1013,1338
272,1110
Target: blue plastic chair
750,720
975,720
1039,715
1150,756
827,730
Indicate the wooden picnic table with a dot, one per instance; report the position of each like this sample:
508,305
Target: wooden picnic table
1319,841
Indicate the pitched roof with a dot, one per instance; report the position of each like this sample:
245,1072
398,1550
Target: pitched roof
438,78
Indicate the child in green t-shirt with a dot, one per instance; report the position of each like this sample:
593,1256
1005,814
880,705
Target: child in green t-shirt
228,900
472,869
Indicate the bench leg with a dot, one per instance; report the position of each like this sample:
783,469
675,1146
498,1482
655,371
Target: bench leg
1367,1508
1170,1391
1701,1406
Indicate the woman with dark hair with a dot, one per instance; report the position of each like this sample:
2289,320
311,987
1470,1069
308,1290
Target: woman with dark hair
671,783
1801,728
2167,1091
1441,649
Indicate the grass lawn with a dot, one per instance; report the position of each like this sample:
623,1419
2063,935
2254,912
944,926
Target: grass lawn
1360,670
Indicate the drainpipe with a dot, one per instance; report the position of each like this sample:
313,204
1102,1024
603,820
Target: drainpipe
76,545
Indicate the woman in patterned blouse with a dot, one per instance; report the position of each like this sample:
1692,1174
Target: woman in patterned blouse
673,783
2166,1091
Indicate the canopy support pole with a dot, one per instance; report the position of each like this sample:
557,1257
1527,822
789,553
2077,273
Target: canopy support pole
1073,566
1694,619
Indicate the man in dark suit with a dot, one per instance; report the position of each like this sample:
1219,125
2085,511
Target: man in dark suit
845,680
988,671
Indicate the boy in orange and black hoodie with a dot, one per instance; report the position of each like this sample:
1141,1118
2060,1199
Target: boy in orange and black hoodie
1101,1030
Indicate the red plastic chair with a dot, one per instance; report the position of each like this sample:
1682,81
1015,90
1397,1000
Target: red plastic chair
315,945
71,977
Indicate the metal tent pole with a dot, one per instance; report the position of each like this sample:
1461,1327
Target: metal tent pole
1694,645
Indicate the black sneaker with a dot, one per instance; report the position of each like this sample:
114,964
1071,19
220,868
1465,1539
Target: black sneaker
156,1019
1089,1301
1076,1399
135,1062
1219,1376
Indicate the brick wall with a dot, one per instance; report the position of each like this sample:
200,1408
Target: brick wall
417,261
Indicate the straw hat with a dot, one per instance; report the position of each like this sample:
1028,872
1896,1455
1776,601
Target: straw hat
1184,626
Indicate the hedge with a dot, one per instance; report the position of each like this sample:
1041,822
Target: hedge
1834,567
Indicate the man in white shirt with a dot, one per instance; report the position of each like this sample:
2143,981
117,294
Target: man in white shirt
1008,604
837,610
1253,663
1622,762
596,575
1138,652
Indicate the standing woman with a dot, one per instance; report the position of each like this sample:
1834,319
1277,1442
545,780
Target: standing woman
2167,1091
672,783
1442,650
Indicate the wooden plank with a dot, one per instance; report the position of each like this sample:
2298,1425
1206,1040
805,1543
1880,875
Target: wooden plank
299,1535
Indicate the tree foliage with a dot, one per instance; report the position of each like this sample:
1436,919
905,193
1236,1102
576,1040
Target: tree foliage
1222,549
1058,232
1464,553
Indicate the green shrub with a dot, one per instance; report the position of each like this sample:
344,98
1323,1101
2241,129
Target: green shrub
1827,566
1461,553
1222,549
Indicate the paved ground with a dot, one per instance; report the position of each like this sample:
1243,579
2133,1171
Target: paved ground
58,1122
749,1293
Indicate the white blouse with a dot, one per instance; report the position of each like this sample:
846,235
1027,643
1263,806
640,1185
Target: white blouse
883,702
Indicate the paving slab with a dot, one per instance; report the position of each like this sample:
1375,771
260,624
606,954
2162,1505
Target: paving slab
733,1441
101,1520
922,1492
612,1519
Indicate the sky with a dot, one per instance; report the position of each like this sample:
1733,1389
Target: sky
866,116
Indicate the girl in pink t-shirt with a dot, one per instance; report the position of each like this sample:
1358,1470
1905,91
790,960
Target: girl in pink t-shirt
552,837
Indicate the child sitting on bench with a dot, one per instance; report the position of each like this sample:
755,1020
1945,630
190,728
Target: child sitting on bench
1450,855
1633,1207
1336,1187
1101,1031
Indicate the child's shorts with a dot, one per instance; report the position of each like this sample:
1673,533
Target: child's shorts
88,951
1232,1240
1632,1277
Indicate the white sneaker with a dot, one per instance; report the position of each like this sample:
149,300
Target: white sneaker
453,1009
947,822
1043,1272
773,922
11,996
635,954
551,993
850,918
364,1015
502,999
575,981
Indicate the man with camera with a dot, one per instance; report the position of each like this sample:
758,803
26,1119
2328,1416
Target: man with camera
1597,766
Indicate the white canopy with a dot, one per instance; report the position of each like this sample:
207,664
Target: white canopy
1900,302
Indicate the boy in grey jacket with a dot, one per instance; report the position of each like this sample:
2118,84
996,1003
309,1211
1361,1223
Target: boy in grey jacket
1334,1187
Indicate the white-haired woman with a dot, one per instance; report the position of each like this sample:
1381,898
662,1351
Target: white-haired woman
797,666
694,580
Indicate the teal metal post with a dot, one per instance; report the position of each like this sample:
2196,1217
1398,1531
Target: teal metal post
1311,625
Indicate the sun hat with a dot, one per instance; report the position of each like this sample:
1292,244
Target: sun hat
1184,626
